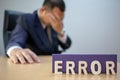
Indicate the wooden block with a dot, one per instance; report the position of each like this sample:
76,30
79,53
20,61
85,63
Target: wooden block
84,64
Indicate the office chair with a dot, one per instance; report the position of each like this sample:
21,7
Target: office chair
10,18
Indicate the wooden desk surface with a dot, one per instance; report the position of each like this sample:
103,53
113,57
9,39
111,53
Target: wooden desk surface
43,71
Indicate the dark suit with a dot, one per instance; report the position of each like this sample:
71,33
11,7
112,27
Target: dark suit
30,33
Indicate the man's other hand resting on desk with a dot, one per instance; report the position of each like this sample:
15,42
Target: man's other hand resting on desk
23,56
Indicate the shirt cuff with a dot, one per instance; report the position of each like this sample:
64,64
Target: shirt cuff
11,48
63,39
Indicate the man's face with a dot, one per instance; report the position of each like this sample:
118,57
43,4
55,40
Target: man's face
56,13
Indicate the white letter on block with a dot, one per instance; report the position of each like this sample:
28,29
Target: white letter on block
82,67
57,67
110,67
70,65
93,67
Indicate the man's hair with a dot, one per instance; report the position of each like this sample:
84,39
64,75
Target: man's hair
50,4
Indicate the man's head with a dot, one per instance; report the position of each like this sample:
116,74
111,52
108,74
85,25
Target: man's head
53,7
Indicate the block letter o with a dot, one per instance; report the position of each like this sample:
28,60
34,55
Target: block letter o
93,64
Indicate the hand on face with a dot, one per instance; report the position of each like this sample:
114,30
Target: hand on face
55,22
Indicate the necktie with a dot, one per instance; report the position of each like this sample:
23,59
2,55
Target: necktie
48,30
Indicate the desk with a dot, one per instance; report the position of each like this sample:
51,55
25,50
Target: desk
43,71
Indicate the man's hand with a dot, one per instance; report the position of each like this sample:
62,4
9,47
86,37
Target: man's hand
23,56
56,23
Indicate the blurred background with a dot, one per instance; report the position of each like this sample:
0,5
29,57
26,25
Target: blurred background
93,25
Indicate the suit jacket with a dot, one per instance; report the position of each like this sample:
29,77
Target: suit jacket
29,33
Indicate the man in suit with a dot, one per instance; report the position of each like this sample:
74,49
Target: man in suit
43,30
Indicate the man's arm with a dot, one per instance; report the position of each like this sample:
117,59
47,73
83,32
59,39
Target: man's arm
64,41
18,37
57,25
15,47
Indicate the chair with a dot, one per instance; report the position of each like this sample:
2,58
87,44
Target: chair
10,18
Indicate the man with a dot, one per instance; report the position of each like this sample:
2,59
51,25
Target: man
43,30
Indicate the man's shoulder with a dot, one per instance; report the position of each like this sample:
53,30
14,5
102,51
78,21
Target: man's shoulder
29,16
27,19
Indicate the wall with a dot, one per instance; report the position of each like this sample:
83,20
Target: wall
94,25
